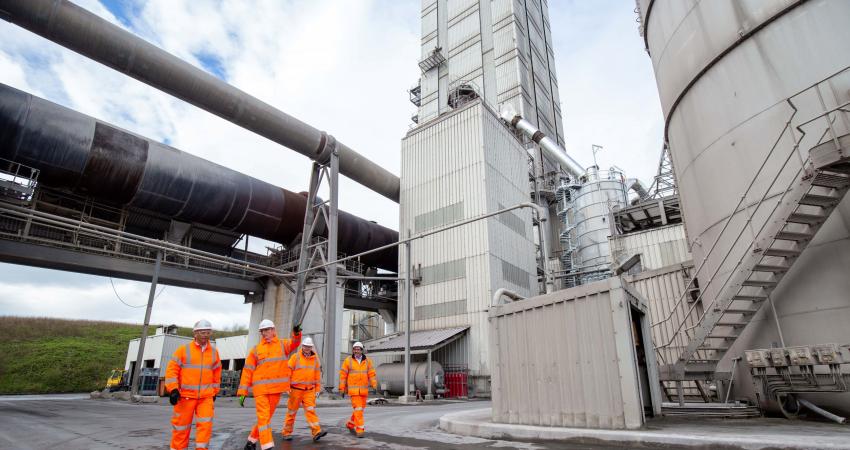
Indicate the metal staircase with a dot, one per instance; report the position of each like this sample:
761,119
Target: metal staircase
756,246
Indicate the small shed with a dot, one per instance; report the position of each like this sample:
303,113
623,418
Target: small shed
579,357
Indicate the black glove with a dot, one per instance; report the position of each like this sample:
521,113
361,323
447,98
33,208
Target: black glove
214,397
296,329
174,396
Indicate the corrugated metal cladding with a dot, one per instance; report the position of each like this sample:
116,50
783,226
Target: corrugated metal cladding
502,46
468,158
158,347
233,347
663,288
658,247
566,359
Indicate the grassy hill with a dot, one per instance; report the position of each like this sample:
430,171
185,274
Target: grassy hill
42,355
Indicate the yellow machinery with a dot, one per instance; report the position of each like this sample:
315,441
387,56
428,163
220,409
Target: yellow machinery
117,381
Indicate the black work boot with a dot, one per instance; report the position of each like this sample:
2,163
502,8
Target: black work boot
250,446
319,435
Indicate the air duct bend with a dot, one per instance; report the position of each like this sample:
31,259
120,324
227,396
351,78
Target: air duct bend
550,147
497,296
635,185
89,35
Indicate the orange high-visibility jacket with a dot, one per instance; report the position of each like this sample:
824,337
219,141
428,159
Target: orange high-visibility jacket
266,369
196,374
357,376
306,371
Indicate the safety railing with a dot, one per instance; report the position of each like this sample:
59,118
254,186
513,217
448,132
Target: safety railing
38,227
677,326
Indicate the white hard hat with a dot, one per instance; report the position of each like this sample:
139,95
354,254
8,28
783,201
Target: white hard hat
358,344
307,342
266,323
202,324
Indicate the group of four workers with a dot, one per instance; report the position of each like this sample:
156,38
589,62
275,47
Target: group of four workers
272,368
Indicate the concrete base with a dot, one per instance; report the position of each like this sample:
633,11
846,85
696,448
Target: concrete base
703,433
429,397
407,399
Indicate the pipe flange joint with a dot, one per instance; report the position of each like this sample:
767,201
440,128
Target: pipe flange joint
327,147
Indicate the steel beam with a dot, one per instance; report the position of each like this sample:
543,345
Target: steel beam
93,264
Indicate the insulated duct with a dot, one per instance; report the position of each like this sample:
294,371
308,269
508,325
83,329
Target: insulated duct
89,157
635,185
87,34
550,147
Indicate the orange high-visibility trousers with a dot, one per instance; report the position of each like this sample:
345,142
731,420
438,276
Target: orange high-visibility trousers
202,411
307,399
262,431
356,422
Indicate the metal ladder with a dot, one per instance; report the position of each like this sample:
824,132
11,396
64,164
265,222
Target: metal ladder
694,342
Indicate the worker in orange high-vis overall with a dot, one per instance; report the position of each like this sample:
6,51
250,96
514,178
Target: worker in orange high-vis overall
306,383
193,379
356,376
266,374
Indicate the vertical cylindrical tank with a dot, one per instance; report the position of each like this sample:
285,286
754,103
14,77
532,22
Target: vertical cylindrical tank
730,76
585,209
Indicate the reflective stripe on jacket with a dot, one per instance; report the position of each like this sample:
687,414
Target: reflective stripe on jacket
306,371
266,369
357,376
195,373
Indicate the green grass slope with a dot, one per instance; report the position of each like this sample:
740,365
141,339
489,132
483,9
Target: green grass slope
44,355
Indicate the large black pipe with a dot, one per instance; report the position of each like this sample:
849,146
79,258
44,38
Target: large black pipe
77,152
87,34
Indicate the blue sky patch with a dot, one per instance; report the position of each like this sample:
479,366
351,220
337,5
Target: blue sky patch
212,63
123,10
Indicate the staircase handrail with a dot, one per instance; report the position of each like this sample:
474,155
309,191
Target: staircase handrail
679,331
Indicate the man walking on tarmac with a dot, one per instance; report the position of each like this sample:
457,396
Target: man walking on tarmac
306,383
357,374
266,372
193,379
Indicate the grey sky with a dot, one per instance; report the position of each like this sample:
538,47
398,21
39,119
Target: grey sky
341,66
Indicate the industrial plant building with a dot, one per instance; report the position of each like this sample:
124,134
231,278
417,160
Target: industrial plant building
718,288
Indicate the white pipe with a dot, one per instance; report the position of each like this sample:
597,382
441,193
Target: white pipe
550,147
820,411
507,293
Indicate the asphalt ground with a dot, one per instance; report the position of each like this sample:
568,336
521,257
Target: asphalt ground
77,422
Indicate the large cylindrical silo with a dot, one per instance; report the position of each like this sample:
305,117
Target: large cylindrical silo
731,74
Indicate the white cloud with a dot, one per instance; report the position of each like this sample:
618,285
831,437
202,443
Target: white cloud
93,298
340,66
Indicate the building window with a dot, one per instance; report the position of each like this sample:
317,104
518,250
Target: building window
449,270
440,310
515,275
438,217
512,221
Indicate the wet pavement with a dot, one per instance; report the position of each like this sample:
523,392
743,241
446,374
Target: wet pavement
72,422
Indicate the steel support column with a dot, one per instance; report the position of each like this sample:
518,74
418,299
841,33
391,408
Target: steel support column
331,355
306,233
134,387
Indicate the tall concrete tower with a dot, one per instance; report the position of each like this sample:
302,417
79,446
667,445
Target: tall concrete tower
501,47
461,161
